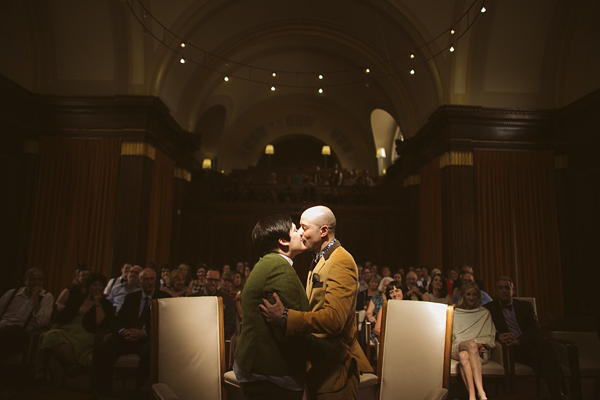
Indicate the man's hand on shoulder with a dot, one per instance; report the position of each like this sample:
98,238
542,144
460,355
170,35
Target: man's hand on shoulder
272,312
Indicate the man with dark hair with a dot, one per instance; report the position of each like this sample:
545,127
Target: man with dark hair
518,327
23,310
119,280
213,278
331,290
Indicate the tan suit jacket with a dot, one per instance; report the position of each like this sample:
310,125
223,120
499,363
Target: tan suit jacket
331,290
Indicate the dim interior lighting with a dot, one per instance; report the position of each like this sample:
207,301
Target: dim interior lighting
226,79
274,74
412,71
412,56
452,31
326,150
273,88
320,90
182,60
384,171
321,77
368,71
483,9
269,149
207,163
182,45
451,49
381,153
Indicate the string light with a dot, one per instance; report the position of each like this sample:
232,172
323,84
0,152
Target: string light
160,32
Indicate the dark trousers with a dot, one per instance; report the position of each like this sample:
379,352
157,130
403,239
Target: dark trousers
265,390
107,353
12,340
543,358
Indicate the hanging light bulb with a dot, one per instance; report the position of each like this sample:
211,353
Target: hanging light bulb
321,90
226,79
182,45
367,71
452,31
412,56
483,9
273,88
412,71
321,77
182,60
274,74
451,49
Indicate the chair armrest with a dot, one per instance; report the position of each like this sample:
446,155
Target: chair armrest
568,353
437,394
163,392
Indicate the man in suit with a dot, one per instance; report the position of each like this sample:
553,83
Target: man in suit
213,277
331,290
269,364
518,327
131,334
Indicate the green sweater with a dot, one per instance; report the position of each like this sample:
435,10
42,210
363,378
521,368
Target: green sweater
263,348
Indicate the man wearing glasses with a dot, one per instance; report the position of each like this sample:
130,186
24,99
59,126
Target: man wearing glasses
213,277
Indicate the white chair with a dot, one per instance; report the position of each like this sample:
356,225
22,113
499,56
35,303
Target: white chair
415,345
188,348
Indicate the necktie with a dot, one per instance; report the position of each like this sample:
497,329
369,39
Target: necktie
146,300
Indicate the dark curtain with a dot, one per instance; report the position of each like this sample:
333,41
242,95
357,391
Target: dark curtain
161,210
74,208
518,224
430,216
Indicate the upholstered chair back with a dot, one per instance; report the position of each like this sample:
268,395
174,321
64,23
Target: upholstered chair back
188,351
415,349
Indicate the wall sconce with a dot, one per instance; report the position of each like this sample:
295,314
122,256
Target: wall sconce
380,153
207,163
380,156
269,149
326,151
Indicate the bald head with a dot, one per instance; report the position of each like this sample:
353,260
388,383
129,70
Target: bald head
317,227
320,215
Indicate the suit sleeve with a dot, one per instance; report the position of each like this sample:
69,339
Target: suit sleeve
129,306
340,295
530,327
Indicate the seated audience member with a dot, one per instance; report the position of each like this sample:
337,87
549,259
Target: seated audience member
423,278
197,284
466,276
132,284
213,276
76,287
364,297
119,280
239,267
392,292
399,275
247,271
23,310
374,272
177,287
236,292
364,276
130,334
226,283
376,302
226,269
411,290
69,344
457,281
452,276
165,276
519,329
185,273
473,335
386,272
438,291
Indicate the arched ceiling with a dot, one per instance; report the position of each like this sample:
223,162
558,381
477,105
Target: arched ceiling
534,54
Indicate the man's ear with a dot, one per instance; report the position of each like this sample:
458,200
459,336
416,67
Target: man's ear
324,230
283,242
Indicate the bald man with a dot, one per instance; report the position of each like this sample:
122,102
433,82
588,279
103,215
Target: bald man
331,290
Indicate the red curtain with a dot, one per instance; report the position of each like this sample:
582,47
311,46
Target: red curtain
161,209
518,224
74,208
430,216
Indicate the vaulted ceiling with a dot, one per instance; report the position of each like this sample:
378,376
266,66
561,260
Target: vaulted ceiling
518,54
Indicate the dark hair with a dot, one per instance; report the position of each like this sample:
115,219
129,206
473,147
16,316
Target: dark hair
93,278
390,286
444,291
505,278
268,231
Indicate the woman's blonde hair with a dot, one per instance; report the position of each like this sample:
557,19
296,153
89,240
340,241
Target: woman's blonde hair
463,290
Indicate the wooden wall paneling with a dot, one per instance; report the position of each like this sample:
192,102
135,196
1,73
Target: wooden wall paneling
410,225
